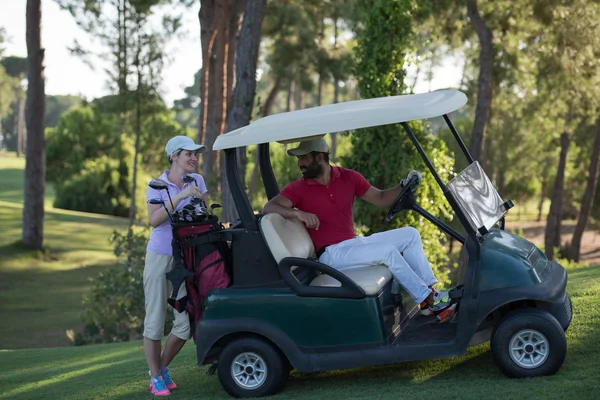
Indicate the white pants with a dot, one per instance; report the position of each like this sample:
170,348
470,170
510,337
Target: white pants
411,268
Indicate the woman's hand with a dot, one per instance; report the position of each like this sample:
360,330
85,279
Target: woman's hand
191,190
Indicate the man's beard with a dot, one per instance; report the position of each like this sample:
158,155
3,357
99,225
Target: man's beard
313,170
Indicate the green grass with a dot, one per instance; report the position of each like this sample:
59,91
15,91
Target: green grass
118,371
40,297
12,174
41,292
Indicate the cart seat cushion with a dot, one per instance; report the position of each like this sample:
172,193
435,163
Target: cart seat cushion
286,237
289,238
371,278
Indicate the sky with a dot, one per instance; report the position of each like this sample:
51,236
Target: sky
68,74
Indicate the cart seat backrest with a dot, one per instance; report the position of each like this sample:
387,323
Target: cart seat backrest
289,238
286,237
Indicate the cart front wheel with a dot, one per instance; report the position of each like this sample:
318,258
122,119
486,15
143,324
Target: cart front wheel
529,343
251,367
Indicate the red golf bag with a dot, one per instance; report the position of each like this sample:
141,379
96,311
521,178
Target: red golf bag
201,260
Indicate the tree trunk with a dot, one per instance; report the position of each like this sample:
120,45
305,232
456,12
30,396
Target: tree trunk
35,165
542,198
208,34
553,224
501,182
299,100
588,198
336,93
290,91
336,96
21,127
266,110
215,100
484,81
321,67
245,87
138,134
236,9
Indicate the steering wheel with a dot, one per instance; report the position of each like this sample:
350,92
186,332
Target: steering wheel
410,187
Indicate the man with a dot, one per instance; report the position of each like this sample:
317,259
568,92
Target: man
323,198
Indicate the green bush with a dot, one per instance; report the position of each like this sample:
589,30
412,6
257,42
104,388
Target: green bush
95,189
114,309
90,156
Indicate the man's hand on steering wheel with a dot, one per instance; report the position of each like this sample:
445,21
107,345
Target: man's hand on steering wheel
411,174
409,186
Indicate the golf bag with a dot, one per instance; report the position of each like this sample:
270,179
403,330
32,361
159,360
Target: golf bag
201,260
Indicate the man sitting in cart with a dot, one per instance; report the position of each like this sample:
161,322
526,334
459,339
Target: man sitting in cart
323,198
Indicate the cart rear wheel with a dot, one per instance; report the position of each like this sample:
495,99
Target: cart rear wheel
251,367
529,343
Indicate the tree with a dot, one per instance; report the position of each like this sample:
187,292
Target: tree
135,51
35,172
384,37
484,82
56,106
574,249
8,93
567,50
243,95
219,27
147,62
13,126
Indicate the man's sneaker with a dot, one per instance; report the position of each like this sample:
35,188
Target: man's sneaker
425,309
441,301
166,375
447,313
158,387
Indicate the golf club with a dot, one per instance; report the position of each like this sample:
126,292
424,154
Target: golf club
160,201
159,184
212,208
189,179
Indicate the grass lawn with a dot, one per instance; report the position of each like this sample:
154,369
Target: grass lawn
40,298
40,293
118,371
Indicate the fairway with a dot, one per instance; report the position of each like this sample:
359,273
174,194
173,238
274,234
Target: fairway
41,293
118,371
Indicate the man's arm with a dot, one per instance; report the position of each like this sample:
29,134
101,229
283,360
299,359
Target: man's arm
382,198
280,205
283,206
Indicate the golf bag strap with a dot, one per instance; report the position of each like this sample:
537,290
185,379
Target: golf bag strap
180,304
177,277
211,237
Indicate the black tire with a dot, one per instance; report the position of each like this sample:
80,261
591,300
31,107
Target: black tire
265,356
534,326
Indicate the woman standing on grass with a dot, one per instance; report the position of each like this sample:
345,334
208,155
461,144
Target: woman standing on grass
183,156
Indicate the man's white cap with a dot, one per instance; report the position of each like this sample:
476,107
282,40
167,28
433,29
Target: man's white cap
305,147
183,143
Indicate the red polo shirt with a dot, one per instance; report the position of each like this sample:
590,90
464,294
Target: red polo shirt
332,204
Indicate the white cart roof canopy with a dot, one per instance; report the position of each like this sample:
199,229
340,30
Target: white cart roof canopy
295,126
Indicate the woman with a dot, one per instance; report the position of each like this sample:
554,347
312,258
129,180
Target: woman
183,156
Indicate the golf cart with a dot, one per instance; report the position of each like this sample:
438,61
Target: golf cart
286,311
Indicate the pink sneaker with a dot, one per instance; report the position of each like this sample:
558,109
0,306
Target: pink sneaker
158,387
165,372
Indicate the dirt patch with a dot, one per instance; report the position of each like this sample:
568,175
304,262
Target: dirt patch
534,232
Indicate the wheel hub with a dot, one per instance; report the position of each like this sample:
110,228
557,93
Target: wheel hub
529,348
249,371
